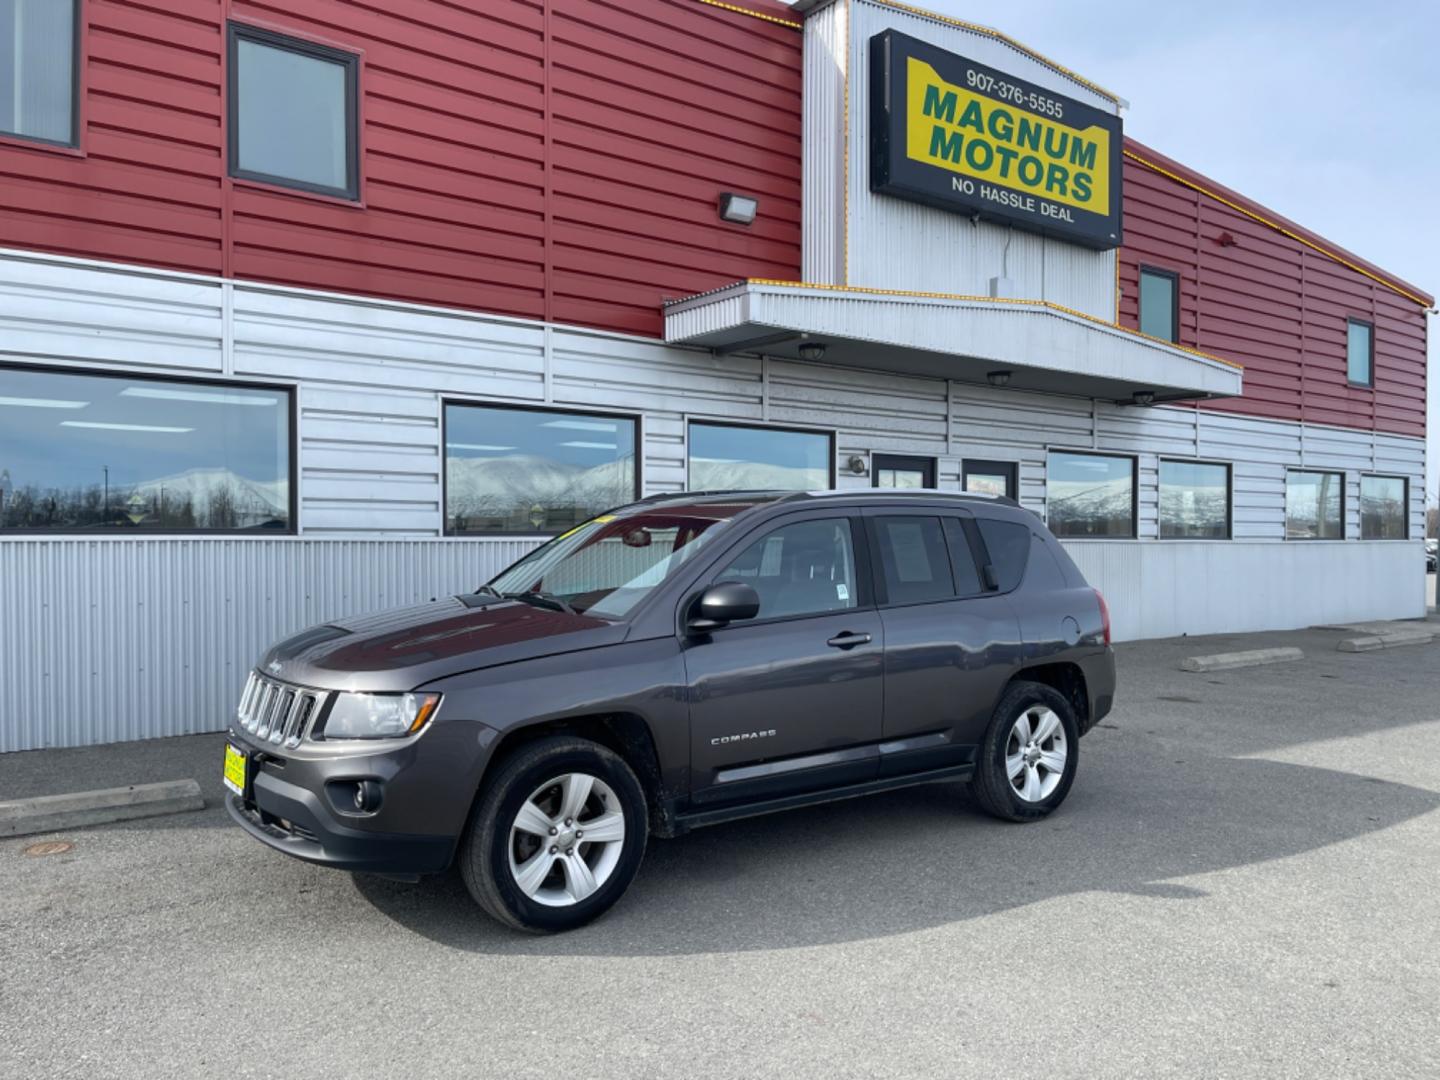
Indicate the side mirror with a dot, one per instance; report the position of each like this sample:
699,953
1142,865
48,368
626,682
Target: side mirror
722,604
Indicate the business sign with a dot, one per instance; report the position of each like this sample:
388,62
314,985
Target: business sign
961,136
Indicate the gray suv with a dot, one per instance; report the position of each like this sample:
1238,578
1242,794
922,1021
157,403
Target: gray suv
679,662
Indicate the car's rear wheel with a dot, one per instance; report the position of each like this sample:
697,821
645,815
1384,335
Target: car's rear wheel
1028,759
556,837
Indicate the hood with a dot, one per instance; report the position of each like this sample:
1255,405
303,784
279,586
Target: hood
407,647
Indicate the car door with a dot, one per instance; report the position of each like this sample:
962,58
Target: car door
950,645
791,700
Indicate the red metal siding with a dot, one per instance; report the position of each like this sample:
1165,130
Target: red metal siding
542,158
1273,303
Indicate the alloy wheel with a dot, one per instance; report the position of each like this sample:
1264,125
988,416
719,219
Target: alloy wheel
566,839
1035,754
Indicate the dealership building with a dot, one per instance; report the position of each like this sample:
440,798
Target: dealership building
319,307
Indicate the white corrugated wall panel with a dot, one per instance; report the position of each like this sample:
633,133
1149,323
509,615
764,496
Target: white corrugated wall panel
119,639
823,146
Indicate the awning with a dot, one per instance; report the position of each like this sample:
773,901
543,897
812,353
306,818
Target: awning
1042,346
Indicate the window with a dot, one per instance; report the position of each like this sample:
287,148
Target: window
1384,508
1314,505
988,477
725,457
962,559
801,569
122,454
1008,545
914,563
899,471
292,113
510,470
1160,303
39,44
608,565
1090,495
1194,501
1360,352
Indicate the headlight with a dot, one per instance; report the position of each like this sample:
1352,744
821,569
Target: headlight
379,716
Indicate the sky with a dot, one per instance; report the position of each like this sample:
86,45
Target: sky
1327,113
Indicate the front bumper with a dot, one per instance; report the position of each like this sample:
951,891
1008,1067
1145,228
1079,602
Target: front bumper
296,801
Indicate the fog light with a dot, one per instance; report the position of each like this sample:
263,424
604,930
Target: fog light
367,796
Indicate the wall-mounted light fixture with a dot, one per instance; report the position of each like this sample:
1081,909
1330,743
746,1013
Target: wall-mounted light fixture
1144,397
812,350
857,465
998,378
741,209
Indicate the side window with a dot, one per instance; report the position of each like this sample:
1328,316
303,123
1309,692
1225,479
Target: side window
962,559
913,559
1008,543
801,569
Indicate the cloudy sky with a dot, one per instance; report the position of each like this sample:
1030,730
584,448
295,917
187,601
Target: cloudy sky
1326,112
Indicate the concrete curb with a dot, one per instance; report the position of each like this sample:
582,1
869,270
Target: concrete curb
1390,640
1253,658
54,813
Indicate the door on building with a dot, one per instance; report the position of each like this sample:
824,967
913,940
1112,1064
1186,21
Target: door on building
901,471
790,700
990,477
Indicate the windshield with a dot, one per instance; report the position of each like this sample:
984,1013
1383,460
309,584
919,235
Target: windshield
609,564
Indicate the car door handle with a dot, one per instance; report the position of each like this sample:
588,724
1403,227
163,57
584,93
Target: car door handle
847,640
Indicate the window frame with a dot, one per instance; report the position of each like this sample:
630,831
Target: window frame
1134,460
1174,276
991,466
1405,505
600,414
1344,506
292,396
1355,320
831,434
1229,468
351,60
73,146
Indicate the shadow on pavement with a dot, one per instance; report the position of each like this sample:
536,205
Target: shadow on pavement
923,857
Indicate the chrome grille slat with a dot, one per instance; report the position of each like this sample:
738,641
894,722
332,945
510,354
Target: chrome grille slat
276,711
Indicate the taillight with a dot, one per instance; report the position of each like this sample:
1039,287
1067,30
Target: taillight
1104,615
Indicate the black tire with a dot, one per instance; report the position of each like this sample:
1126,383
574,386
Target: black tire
485,849
991,786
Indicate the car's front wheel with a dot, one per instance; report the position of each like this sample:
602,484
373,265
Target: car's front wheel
1028,759
557,835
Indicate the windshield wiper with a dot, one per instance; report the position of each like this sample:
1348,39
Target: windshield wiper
542,599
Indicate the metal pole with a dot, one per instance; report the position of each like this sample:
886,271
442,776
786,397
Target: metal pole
105,513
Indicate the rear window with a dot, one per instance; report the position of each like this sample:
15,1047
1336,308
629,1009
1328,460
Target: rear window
913,559
1008,543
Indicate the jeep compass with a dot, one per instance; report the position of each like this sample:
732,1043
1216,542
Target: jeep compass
680,662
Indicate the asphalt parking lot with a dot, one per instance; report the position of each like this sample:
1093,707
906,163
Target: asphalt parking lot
1245,881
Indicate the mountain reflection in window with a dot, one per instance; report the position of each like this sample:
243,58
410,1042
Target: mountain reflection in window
725,457
1090,495
1194,500
120,454
511,470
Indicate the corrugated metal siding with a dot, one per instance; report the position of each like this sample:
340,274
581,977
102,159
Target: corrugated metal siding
1274,305
121,639
826,69
491,180
897,244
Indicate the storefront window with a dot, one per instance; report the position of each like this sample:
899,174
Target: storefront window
726,457
1383,509
1090,495
510,470
1194,501
1314,505
123,454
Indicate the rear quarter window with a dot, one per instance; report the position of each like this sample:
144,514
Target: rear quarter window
1008,543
